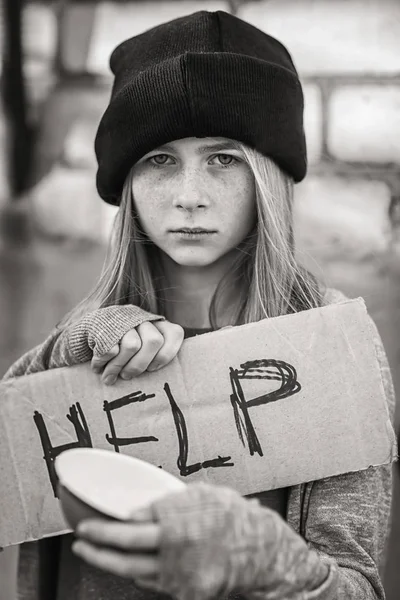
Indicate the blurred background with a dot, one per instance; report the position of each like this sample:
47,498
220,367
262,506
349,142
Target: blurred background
55,84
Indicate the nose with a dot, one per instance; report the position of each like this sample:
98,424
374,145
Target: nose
190,193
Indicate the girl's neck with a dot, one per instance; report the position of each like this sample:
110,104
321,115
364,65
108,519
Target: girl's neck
189,291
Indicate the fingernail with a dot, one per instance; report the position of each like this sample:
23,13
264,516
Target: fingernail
76,547
96,369
126,376
110,380
81,529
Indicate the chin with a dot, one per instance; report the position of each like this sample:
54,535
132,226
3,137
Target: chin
194,263
194,260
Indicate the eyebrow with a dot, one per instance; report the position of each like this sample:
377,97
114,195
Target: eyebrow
218,147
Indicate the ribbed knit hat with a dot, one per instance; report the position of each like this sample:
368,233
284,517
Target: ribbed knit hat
208,74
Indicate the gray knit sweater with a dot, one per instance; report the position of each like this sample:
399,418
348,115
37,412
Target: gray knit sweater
330,547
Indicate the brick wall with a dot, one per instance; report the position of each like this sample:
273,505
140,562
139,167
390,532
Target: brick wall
347,53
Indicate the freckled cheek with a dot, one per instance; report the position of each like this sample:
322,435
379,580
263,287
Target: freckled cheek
150,205
243,206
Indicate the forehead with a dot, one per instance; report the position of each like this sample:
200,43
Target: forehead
198,145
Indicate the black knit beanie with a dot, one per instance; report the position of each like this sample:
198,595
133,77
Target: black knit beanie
208,74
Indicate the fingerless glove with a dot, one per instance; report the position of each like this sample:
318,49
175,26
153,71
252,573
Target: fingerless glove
215,542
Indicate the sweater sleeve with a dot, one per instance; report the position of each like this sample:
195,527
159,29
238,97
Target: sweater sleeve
93,335
214,542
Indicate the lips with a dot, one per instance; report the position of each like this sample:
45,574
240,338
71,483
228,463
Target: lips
193,230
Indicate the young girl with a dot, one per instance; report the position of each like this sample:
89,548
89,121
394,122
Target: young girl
200,146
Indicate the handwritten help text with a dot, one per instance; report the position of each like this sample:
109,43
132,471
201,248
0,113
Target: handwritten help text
267,369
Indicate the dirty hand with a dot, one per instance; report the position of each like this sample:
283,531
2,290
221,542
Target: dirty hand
148,346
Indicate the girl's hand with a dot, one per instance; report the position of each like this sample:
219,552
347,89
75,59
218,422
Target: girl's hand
126,549
191,545
150,346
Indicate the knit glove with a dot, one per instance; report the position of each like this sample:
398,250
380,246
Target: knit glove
214,542
92,335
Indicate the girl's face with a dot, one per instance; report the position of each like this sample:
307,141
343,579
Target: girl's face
195,198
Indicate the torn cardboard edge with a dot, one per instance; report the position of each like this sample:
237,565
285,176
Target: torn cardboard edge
257,407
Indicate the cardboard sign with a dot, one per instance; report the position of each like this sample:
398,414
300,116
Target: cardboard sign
261,406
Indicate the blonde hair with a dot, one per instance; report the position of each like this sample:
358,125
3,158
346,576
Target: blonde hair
272,282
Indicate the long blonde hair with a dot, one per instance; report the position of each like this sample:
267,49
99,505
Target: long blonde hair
272,282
